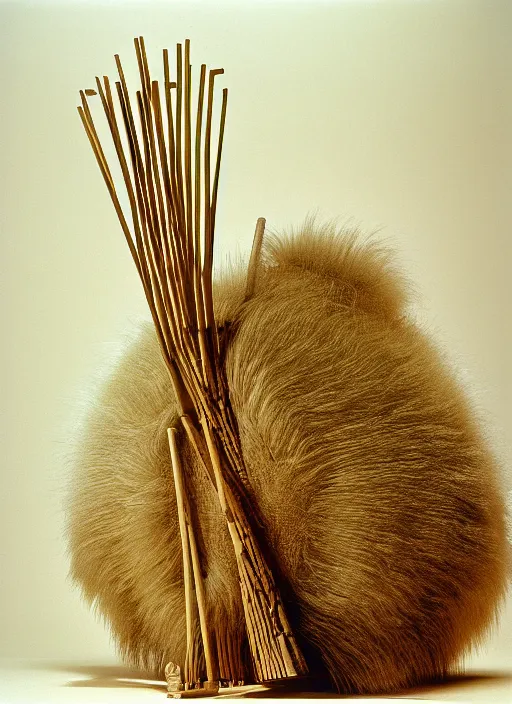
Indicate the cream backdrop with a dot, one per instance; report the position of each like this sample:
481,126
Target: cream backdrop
393,115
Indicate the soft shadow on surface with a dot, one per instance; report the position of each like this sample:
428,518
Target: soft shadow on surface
461,682
120,676
432,690
106,676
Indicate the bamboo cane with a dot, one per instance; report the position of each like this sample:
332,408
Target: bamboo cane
171,239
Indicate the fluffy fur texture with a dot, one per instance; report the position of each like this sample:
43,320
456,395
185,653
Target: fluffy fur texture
381,501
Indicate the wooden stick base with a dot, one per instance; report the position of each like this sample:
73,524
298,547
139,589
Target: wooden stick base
219,692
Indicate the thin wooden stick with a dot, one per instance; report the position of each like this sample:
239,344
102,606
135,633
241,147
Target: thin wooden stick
188,157
211,207
185,546
174,277
191,562
215,190
232,669
255,258
108,180
168,84
201,604
198,286
131,134
179,168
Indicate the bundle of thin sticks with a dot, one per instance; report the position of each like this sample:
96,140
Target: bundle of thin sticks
173,202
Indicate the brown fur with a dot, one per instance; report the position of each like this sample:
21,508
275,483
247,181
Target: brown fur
381,500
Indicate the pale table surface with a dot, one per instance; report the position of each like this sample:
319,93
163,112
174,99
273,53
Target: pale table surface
49,682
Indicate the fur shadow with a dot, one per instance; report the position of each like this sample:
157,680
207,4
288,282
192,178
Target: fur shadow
432,690
110,676
120,676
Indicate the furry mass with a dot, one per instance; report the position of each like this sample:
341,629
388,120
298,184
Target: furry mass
381,501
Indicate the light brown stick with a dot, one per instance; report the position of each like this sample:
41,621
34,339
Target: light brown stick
185,546
255,258
174,259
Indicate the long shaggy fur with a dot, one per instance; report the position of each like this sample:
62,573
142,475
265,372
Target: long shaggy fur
381,501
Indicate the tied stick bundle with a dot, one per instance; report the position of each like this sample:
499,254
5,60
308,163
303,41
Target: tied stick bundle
172,200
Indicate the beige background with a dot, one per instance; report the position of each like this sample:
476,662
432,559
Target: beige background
392,115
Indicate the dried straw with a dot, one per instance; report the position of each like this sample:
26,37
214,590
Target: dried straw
167,174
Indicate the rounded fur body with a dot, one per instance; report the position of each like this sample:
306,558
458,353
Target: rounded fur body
381,502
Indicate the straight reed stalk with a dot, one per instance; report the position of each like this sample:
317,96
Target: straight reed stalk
165,162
